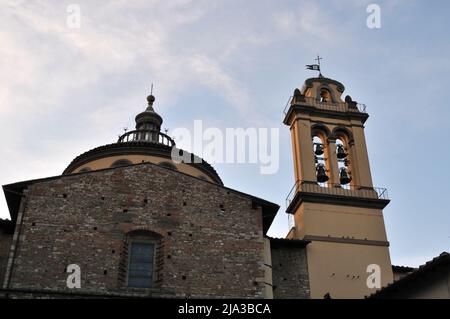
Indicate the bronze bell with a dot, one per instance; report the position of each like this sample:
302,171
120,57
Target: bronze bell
321,174
341,152
345,178
319,149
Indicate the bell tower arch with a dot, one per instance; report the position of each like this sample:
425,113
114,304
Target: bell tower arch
333,201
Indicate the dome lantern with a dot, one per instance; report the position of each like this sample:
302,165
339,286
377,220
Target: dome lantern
149,119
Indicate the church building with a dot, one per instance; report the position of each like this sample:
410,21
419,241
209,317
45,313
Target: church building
132,223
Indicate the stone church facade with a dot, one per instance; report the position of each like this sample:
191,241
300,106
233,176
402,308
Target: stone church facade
90,219
139,225
112,203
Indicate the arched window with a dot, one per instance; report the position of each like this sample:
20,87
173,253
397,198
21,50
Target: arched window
325,96
141,253
121,162
319,149
85,169
344,142
343,162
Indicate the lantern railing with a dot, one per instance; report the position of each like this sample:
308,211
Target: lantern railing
327,106
348,190
150,136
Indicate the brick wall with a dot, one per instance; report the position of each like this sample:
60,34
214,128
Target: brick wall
6,234
211,237
290,273
5,243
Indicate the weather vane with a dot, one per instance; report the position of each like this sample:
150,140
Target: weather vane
315,67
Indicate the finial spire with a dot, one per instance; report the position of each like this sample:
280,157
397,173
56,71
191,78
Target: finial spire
150,99
318,62
316,67
317,59
149,119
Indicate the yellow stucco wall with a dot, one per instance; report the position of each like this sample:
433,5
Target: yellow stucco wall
341,269
304,164
347,261
312,91
345,239
340,221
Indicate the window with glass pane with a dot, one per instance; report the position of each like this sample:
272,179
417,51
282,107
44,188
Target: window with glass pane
140,268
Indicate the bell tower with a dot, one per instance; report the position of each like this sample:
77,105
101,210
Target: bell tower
333,202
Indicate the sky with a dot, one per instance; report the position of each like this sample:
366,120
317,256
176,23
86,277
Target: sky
229,63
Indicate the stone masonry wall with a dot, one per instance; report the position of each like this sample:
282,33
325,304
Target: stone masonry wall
290,273
5,243
211,237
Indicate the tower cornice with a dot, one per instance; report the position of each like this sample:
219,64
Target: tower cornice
354,201
331,110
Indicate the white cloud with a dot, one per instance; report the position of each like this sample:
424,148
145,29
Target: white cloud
44,63
212,75
310,22
58,86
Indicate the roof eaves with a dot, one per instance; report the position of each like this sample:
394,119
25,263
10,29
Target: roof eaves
442,259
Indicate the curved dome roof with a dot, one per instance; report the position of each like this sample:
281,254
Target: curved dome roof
145,144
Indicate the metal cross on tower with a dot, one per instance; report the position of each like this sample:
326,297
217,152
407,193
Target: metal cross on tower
315,67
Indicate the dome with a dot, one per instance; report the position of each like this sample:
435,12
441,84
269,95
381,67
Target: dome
145,144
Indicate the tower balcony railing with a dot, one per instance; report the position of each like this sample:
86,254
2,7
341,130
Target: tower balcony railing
151,136
348,190
327,106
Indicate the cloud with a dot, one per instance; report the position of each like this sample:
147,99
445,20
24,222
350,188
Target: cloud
64,90
309,21
48,70
212,75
